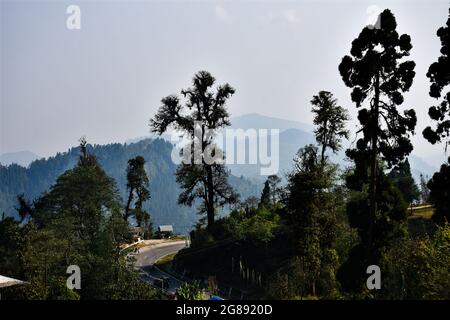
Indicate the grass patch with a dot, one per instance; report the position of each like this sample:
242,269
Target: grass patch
165,263
423,212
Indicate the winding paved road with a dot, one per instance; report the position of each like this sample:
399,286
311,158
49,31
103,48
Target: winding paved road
147,256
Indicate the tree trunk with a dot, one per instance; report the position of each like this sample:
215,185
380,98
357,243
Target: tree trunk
323,154
314,288
127,208
210,191
373,165
324,142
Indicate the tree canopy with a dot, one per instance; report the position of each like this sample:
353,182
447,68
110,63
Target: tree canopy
203,112
330,120
439,75
379,75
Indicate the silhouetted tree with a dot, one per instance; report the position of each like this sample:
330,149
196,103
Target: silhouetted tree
379,75
402,178
389,226
202,114
25,208
85,158
265,195
439,186
439,75
137,185
330,120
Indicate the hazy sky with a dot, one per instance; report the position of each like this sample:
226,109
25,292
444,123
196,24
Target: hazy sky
106,80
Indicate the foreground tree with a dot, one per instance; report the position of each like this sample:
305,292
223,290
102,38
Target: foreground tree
439,75
439,186
389,226
201,175
330,120
137,186
311,205
379,75
10,243
79,221
417,269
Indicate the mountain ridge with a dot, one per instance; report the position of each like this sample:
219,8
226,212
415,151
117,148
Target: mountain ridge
162,206
23,158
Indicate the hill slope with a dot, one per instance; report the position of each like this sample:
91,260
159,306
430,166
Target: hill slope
22,158
163,207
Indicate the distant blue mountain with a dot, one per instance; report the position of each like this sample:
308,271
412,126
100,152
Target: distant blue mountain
420,166
258,121
163,207
295,135
22,158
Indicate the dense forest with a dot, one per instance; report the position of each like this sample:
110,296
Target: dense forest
41,174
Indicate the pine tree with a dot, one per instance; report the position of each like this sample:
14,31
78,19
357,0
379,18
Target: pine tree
379,75
265,195
137,186
330,120
439,186
198,176
439,75
311,211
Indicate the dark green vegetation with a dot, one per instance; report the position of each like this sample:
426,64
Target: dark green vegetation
78,221
191,291
439,186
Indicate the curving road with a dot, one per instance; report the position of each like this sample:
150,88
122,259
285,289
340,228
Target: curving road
146,258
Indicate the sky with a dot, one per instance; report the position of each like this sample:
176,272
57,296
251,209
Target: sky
106,80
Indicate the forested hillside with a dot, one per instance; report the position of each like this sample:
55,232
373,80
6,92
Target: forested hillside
163,207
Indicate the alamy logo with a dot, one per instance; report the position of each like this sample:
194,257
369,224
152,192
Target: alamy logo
373,19
374,280
73,22
74,280
251,146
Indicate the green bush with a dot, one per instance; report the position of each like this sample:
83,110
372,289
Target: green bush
418,269
191,291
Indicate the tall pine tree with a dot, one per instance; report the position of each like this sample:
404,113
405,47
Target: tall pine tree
379,75
203,113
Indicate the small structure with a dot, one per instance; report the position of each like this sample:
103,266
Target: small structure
165,231
138,233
